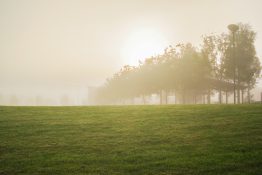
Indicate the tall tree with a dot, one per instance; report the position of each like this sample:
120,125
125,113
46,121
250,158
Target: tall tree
247,63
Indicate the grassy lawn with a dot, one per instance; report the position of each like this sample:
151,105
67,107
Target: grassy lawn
157,140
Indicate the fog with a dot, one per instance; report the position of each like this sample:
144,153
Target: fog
51,51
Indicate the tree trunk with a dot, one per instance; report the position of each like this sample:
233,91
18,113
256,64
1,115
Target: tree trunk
226,97
208,96
160,97
144,100
175,97
238,87
242,96
220,96
167,97
183,96
248,94
238,95
261,97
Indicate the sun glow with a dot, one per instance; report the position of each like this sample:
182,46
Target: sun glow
143,43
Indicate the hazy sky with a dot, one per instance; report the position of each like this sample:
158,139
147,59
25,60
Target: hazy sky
63,46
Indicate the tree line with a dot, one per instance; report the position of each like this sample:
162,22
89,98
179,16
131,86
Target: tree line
223,64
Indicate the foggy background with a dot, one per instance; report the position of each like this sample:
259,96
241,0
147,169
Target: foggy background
51,51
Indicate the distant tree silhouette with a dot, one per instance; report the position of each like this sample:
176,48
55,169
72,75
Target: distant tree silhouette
191,74
65,100
13,100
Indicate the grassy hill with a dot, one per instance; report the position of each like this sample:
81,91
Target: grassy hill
191,139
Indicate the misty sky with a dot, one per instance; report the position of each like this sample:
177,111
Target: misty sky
56,47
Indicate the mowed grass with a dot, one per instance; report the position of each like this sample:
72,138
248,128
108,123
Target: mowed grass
157,140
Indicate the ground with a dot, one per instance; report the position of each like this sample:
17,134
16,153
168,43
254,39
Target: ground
173,139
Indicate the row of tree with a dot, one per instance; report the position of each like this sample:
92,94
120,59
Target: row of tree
191,74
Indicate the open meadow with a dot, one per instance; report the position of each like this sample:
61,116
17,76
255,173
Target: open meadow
172,139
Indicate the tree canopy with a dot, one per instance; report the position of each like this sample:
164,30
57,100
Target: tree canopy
189,72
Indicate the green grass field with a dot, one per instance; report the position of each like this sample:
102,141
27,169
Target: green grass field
157,140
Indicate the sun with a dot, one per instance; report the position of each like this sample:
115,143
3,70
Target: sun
143,43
